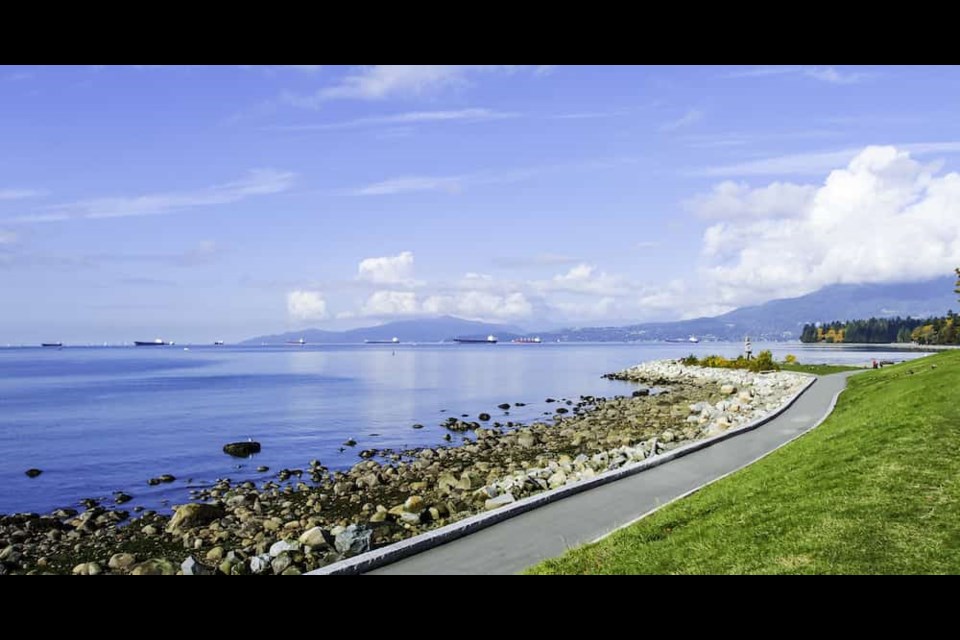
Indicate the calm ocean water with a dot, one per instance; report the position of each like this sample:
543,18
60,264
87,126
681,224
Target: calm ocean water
98,420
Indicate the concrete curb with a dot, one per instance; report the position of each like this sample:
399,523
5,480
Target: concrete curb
417,544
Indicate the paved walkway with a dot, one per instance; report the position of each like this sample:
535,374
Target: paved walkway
513,545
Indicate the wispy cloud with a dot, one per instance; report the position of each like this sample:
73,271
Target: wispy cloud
539,260
742,138
831,75
692,116
648,244
20,194
815,163
257,183
411,184
590,115
271,69
408,118
827,74
377,82
457,183
16,76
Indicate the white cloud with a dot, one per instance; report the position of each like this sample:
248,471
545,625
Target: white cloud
306,305
480,305
831,75
538,260
257,183
409,118
19,194
825,74
585,279
411,184
396,269
816,163
737,200
883,218
390,303
377,82
648,244
691,117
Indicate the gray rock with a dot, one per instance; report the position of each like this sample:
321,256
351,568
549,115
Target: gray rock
281,563
353,540
314,538
190,567
283,546
499,501
259,564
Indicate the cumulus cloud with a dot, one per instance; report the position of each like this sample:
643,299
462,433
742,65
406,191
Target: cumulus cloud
883,218
480,305
396,269
391,303
306,305
586,279
737,200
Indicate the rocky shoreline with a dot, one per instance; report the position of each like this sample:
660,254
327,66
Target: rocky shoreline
288,525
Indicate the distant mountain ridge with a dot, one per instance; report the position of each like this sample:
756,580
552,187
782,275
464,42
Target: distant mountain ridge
784,319
774,320
421,330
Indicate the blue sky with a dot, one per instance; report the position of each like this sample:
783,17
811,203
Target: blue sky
200,203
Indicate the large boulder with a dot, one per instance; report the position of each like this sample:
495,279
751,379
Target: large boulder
155,567
195,514
353,540
242,449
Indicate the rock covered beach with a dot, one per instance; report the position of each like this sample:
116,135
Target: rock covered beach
307,518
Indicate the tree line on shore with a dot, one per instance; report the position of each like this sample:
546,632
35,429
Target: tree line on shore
926,331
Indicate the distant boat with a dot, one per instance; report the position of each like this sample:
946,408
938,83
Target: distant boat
390,341
299,343
487,340
51,344
152,343
218,343
691,339
526,341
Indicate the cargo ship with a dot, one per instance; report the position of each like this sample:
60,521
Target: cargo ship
691,339
51,344
299,343
390,341
526,341
487,340
152,343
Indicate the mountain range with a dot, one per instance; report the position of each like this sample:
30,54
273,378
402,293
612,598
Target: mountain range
418,330
775,320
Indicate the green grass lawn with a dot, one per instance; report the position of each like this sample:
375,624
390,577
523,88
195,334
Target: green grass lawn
817,369
874,489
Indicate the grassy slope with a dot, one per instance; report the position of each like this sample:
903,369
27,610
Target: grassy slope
874,489
817,369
